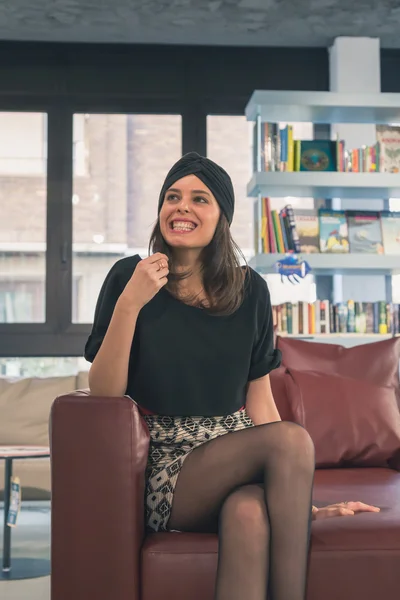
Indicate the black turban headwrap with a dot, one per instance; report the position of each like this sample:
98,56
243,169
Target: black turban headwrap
212,175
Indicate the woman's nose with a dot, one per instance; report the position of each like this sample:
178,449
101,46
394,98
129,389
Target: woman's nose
183,205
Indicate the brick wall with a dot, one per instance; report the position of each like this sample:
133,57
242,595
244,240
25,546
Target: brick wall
127,158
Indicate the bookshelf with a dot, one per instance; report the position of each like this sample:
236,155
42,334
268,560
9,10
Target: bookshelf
326,108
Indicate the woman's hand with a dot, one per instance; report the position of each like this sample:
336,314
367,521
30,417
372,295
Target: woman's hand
342,509
148,278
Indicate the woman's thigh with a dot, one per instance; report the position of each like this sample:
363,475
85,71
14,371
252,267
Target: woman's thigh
215,469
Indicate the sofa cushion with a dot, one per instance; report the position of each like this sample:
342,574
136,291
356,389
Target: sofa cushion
25,408
82,380
352,422
351,558
377,362
279,392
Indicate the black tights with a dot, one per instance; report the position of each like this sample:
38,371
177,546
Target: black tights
254,486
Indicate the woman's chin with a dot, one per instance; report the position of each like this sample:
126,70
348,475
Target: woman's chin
181,241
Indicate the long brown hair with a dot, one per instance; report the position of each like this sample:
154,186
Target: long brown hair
223,279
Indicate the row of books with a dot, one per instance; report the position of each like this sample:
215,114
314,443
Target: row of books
327,231
323,316
279,151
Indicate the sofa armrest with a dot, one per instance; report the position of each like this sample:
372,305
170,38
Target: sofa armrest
99,450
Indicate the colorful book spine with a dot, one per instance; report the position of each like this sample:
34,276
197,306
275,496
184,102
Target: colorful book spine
322,317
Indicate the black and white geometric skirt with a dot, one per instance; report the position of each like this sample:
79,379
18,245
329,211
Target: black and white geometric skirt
171,441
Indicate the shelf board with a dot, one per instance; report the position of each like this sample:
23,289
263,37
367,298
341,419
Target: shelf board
335,264
376,336
343,339
323,107
305,184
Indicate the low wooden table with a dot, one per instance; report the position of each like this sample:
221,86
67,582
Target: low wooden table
19,568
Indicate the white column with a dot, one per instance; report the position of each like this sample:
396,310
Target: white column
355,68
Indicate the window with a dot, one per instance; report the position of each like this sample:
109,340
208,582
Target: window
229,143
117,180
23,167
42,366
23,144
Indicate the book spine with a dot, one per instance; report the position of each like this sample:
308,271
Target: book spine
382,318
351,317
292,224
324,316
284,318
306,324
295,318
297,155
283,230
271,235
278,232
290,149
284,149
317,317
289,314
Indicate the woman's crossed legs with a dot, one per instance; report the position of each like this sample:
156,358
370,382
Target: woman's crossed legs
263,529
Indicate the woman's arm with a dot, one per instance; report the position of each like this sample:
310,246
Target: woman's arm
108,375
260,403
130,285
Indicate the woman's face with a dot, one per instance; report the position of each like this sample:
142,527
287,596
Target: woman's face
189,214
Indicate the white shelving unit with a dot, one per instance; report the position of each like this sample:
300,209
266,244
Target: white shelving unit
344,339
335,264
323,107
303,184
327,108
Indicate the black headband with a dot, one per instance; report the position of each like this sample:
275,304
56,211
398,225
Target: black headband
212,175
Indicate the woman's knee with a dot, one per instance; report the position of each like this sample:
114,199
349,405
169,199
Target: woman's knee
292,440
245,509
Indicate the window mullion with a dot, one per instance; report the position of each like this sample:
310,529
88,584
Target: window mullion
59,219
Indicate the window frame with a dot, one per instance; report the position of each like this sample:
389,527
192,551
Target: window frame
64,79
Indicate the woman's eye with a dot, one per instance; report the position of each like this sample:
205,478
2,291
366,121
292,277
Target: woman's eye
171,197
200,199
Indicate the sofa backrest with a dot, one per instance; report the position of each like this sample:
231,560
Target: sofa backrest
25,406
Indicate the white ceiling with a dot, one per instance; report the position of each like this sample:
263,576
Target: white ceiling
226,22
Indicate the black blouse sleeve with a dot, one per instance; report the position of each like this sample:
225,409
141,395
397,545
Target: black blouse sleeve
113,286
264,357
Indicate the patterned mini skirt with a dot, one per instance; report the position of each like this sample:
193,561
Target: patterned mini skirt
172,439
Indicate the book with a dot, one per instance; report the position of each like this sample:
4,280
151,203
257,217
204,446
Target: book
333,231
307,226
365,234
388,137
390,225
317,155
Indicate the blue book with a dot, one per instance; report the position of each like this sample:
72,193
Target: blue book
318,155
284,144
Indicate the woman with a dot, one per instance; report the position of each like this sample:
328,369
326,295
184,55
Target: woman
188,334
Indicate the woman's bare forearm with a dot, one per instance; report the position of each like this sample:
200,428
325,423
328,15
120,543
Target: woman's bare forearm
108,375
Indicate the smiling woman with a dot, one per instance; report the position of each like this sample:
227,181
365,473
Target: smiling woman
193,230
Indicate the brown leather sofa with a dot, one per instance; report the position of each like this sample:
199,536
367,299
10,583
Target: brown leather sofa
99,451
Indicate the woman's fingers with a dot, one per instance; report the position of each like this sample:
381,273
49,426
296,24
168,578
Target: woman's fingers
344,509
362,507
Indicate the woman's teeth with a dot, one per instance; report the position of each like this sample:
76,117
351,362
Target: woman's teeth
182,226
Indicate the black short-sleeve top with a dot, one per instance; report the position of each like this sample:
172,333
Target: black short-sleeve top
185,361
